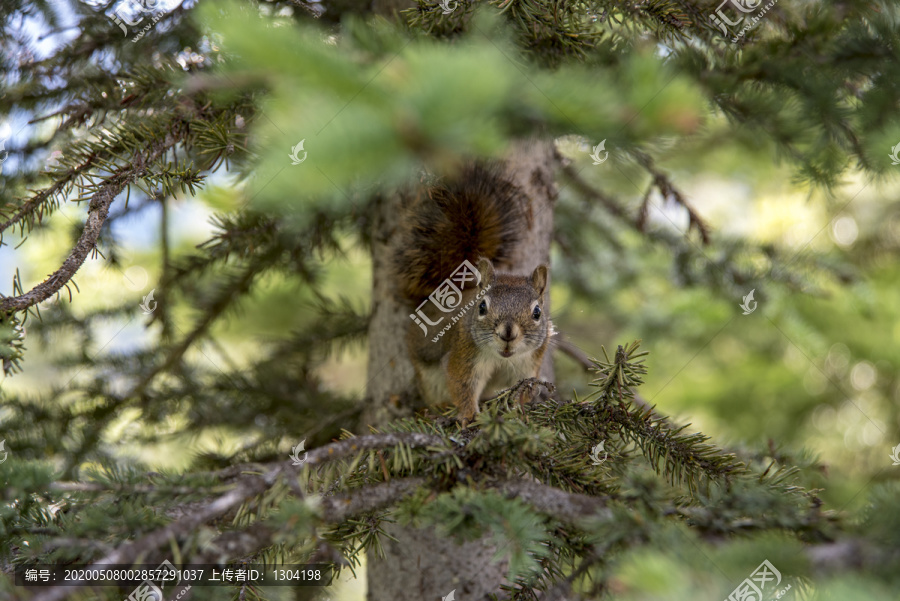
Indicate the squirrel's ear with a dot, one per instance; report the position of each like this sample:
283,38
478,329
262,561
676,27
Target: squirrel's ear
539,279
486,269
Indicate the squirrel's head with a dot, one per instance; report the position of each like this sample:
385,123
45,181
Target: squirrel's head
509,316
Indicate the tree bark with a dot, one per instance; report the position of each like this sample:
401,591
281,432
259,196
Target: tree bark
390,389
420,565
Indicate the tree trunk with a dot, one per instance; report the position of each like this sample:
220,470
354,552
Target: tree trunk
422,566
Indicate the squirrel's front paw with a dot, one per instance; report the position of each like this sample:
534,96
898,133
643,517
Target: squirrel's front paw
532,389
466,416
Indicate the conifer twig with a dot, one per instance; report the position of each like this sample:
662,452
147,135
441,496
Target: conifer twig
97,214
249,486
565,506
29,207
668,190
334,509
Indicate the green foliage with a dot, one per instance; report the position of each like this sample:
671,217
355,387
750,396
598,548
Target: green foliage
371,117
12,344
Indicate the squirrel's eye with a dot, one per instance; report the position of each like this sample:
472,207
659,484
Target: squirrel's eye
482,308
536,313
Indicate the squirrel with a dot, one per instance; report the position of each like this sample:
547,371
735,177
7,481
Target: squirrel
473,327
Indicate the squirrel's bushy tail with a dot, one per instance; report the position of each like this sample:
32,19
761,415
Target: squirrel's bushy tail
479,213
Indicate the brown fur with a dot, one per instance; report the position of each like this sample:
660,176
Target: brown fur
477,214
479,219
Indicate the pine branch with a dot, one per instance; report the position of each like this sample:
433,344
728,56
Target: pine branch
585,189
332,510
725,271
680,457
668,190
225,298
249,486
97,213
130,552
45,195
567,507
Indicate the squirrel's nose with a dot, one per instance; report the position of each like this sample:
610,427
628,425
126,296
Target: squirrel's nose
508,332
